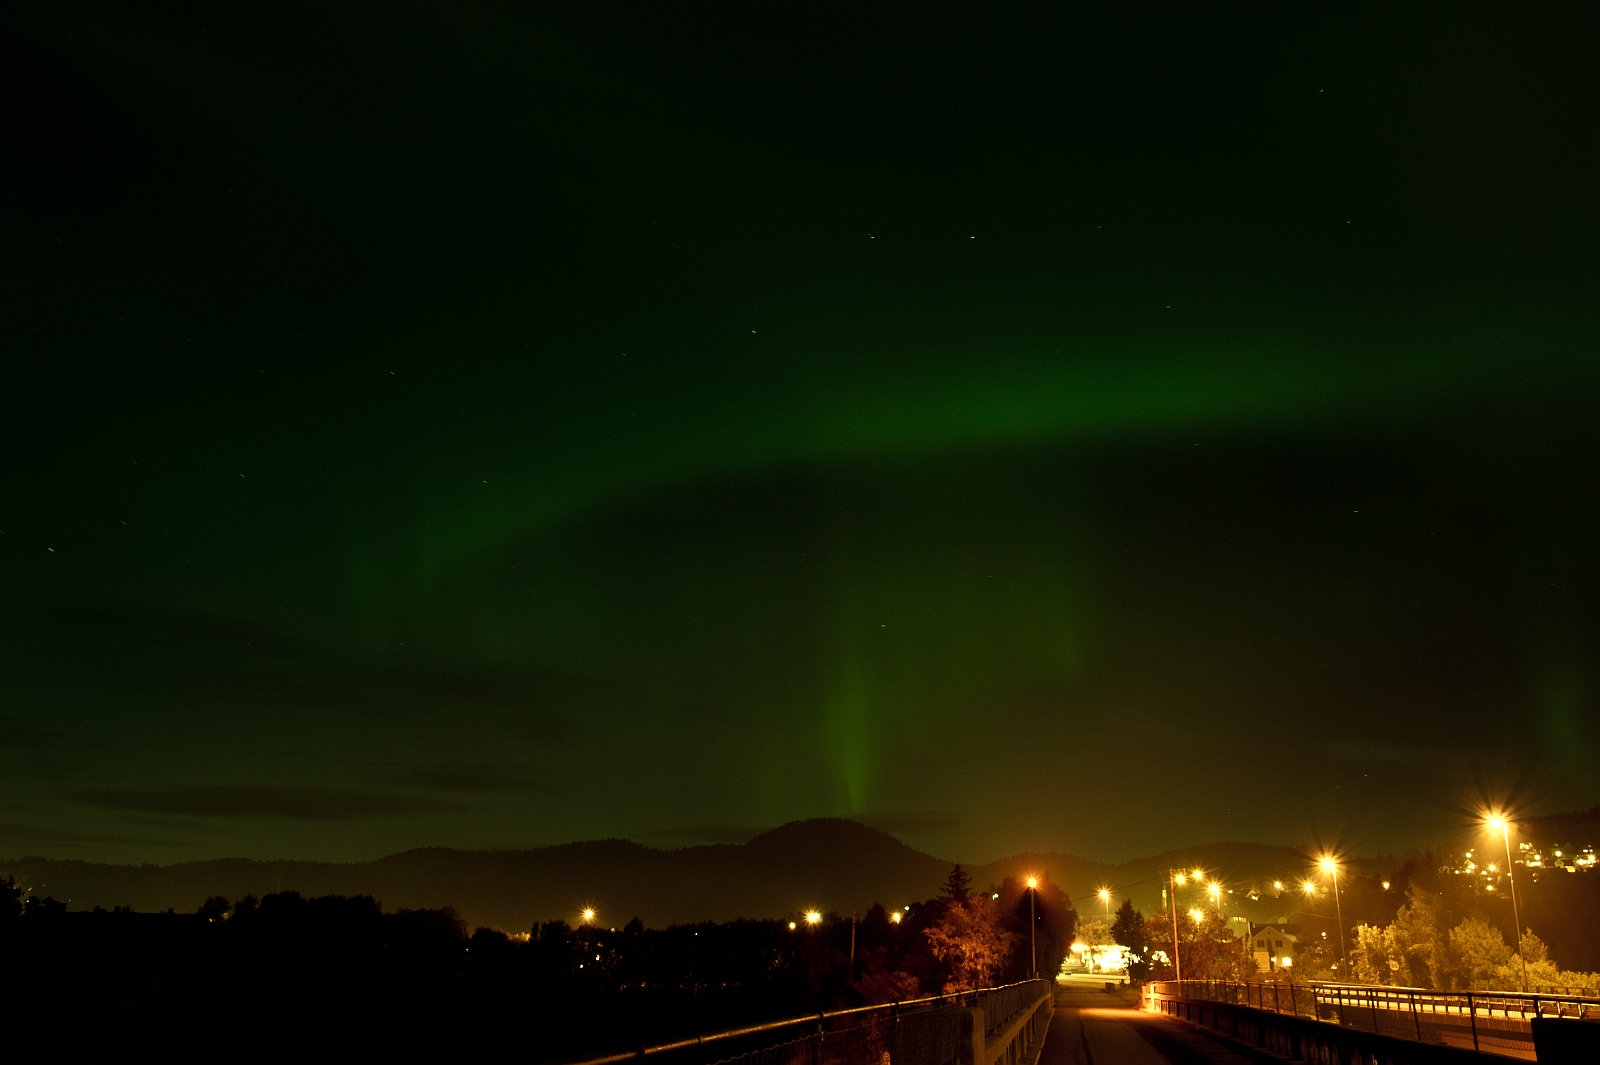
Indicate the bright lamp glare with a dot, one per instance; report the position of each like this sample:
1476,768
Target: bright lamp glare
813,917
1033,881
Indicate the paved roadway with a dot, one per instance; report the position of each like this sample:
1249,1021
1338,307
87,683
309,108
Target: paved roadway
1099,1027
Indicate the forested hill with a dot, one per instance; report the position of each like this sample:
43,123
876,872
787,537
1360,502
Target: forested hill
828,863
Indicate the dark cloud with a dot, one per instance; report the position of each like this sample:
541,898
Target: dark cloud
173,657
15,833
468,779
261,800
911,821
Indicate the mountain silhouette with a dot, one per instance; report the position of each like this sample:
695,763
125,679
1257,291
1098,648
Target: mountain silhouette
827,863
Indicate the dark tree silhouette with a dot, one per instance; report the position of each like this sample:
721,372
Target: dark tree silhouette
1128,931
957,885
215,908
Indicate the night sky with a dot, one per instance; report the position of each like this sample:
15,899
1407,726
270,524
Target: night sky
1015,428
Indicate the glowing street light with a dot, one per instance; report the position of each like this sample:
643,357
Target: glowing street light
813,917
1277,885
1105,897
1331,867
1498,823
1308,887
894,918
1199,875
1033,948
588,915
791,926
1215,891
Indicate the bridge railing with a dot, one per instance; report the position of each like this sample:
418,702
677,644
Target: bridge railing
1495,1021
991,1026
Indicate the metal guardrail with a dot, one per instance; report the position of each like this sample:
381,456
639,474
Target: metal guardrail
1494,1021
999,1005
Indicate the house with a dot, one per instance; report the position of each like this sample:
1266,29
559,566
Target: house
1274,945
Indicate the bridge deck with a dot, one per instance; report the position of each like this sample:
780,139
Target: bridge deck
1109,1028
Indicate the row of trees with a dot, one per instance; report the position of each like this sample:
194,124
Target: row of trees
259,979
1422,948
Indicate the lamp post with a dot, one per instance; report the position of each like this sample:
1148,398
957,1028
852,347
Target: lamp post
1499,824
1172,882
1033,948
1332,867
1105,897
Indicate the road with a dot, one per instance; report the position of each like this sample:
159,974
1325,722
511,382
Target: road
1098,1027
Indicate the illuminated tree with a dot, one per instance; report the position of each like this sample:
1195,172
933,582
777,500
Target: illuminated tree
972,942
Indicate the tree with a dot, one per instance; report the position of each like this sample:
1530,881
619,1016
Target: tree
1206,948
1376,957
1480,952
957,884
971,941
10,898
215,908
1128,931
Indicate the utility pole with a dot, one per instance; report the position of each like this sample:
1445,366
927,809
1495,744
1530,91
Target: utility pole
852,945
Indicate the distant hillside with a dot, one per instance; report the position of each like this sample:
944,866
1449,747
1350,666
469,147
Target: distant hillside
1580,828
828,863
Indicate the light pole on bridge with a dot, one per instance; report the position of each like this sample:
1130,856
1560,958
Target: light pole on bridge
1330,866
1033,949
1498,823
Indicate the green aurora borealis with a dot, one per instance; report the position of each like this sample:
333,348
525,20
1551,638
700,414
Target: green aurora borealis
504,426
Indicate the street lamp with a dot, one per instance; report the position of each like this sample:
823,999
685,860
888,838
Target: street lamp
1033,949
1174,878
1498,823
1331,867
813,917
588,915
1105,897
